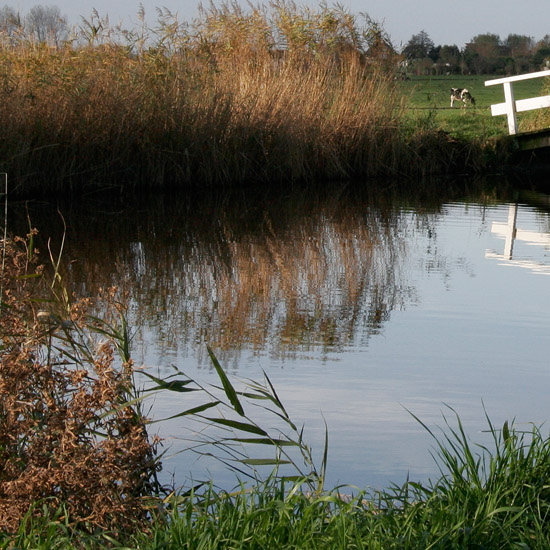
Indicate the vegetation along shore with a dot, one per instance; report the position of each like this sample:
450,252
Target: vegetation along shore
258,96
263,96
80,466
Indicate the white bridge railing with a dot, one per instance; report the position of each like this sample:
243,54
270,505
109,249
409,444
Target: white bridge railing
510,106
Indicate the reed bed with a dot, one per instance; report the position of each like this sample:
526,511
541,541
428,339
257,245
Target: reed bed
260,96
283,277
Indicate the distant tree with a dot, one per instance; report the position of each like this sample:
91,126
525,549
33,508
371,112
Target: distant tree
541,55
10,21
419,46
544,42
417,53
47,24
484,55
434,53
520,53
519,45
450,57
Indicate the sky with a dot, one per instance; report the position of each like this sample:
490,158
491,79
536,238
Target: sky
446,22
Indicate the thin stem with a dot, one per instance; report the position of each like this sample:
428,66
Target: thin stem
4,237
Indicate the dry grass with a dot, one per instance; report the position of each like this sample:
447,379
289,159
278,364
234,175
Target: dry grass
68,437
264,95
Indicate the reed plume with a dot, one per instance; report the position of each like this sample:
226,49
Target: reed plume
257,96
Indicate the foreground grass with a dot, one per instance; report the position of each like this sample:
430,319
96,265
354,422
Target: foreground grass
494,499
486,498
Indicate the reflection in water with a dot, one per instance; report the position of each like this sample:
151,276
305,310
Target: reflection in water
358,307
286,277
313,284
511,233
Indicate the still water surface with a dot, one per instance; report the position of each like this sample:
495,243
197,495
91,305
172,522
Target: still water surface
359,308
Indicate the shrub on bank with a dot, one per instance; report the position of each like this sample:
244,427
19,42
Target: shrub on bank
71,438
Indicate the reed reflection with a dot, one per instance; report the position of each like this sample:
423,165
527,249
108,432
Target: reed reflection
318,280
279,277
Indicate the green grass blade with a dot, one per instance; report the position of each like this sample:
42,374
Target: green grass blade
266,441
227,386
243,426
264,461
189,412
172,385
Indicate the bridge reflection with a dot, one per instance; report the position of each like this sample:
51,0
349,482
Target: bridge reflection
511,235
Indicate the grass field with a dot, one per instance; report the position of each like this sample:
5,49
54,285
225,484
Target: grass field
429,102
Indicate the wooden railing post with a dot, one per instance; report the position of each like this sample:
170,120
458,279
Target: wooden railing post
510,108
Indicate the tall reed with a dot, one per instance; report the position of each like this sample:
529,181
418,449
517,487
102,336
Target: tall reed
262,96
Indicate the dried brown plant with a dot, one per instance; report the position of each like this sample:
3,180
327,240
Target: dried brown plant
68,435
259,96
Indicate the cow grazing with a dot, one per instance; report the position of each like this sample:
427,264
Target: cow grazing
462,94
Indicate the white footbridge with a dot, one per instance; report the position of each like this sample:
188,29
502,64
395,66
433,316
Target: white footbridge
511,106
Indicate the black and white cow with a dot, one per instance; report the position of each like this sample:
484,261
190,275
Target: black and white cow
462,94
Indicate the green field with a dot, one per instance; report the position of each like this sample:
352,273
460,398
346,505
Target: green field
429,103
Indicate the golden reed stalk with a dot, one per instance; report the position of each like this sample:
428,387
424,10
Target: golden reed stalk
263,96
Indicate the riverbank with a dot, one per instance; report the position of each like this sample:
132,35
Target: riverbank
257,98
462,513
73,418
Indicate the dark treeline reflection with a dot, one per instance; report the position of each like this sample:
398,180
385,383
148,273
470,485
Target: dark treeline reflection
282,275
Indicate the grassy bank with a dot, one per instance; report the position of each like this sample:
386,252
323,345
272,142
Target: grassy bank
429,98
258,97
79,468
495,498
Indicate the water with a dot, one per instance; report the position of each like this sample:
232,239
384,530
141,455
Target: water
362,309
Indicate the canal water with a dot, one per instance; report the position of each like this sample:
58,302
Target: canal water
365,309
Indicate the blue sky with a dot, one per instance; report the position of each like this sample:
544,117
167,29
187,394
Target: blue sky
446,22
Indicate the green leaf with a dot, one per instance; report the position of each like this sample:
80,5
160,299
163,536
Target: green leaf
506,432
122,406
29,276
263,461
175,385
254,396
172,385
294,479
243,426
506,509
188,412
228,388
266,441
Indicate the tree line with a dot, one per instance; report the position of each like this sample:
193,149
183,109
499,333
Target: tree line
45,23
484,54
